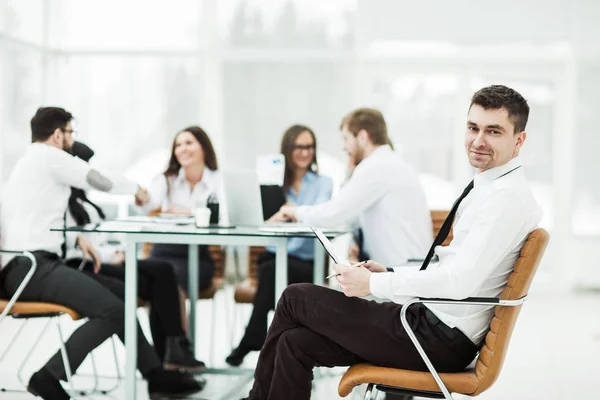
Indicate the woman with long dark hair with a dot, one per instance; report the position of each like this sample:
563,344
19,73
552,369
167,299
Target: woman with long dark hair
156,279
302,185
191,178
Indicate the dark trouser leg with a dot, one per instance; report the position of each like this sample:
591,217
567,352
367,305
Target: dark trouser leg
55,283
157,284
264,300
163,295
316,326
165,314
176,255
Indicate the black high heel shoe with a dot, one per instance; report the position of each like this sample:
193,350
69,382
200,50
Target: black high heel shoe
237,356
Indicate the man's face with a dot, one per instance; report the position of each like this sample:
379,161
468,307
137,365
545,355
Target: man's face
490,140
352,147
67,138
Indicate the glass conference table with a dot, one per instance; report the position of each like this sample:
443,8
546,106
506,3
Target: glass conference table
137,233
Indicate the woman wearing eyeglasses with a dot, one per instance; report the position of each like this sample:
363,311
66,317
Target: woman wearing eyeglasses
302,185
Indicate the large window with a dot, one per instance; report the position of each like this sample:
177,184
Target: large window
134,25
586,200
129,108
22,96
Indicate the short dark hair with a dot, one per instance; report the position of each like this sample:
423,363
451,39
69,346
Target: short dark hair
46,120
369,119
499,96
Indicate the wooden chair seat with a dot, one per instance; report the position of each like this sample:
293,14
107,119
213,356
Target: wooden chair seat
491,356
244,292
209,292
33,309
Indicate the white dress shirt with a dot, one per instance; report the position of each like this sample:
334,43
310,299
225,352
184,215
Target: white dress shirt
492,224
384,197
177,192
35,198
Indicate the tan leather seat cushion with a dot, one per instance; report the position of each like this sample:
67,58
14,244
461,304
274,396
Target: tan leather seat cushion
462,382
245,291
35,308
209,293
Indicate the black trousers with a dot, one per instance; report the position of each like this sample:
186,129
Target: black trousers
317,326
298,271
53,282
156,284
177,256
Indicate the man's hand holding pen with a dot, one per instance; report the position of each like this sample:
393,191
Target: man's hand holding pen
355,282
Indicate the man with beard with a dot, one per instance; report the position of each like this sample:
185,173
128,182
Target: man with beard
34,201
383,196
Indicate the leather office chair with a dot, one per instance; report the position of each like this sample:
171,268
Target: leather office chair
491,356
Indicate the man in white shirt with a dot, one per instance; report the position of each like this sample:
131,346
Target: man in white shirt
34,201
383,196
317,326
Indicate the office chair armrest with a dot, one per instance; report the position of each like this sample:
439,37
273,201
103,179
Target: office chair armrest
481,301
26,280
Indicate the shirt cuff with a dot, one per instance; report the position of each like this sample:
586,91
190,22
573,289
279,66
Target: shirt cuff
301,212
381,285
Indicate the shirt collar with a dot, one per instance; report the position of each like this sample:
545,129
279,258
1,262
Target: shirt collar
384,148
206,176
496,172
309,177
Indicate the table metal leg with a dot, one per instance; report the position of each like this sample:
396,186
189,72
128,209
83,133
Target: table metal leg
193,285
319,264
131,319
281,272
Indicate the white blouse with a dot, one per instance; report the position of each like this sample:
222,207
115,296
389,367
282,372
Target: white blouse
176,192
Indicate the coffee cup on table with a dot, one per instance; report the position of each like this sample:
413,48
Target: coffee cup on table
202,215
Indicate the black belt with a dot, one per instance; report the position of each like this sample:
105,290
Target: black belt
450,333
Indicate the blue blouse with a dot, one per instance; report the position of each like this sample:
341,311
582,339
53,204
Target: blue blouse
314,189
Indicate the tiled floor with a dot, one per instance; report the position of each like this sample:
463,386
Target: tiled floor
554,354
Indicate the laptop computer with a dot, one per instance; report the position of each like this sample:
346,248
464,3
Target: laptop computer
247,207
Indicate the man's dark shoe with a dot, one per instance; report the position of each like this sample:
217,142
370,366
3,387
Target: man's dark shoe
236,358
43,384
179,355
172,384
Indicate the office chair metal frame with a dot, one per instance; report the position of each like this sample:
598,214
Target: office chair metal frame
472,301
52,316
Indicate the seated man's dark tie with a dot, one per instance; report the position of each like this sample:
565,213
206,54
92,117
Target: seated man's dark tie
445,229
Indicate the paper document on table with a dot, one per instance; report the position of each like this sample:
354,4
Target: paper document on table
270,169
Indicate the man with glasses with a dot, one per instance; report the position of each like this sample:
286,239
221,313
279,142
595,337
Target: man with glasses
34,201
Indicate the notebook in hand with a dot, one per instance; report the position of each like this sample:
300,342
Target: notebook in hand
329,248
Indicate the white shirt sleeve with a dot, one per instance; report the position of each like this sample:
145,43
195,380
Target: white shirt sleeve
158,193
359,193
496,230
72,171
68,170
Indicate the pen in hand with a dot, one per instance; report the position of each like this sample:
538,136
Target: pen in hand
353,265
